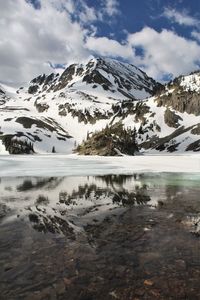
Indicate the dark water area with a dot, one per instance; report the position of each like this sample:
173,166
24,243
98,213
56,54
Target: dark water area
98,238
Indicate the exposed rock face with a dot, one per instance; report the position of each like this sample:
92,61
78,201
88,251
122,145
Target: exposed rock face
3,96
43,80
182,94
41,107
181,101
131,80
168,142
194,146
96,78
65,78
33,89
196,129
90,100
171,119
110,74
1,91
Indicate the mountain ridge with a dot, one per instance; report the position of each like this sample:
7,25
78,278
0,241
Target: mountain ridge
60,111
111,74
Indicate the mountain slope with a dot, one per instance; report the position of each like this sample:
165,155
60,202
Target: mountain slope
159,129
102,78
182,94
57,112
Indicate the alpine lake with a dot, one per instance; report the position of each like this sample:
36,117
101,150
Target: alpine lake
126,237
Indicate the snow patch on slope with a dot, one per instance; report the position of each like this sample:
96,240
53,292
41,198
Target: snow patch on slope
191,82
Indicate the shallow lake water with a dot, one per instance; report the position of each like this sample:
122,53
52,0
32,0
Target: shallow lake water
100,237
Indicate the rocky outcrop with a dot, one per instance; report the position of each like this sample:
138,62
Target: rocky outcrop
194,146
172,119
111,75
104,93
111,141
95,77
65,78
33,89
41,107
196,129
167,143
181,101
1,91
182,94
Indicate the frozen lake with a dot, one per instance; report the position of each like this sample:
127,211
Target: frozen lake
88,228
73,165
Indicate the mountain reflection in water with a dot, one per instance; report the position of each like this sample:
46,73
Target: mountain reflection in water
104,237
55,204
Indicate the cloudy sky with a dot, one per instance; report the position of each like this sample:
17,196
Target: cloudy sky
160,36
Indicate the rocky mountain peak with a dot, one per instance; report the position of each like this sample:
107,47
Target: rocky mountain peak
99,100
188,83
182,94
121,80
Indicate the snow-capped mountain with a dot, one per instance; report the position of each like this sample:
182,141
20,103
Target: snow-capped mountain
102,78
183,94
57,112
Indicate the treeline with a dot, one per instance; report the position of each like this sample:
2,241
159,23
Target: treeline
17,146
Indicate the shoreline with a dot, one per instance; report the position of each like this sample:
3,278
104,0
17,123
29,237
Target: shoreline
75,165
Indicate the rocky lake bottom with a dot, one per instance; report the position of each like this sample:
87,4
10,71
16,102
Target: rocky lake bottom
100,237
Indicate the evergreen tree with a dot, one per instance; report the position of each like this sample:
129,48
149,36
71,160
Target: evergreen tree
53,149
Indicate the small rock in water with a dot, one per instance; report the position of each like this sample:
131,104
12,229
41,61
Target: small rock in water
148,282
147,229
114,295
160,203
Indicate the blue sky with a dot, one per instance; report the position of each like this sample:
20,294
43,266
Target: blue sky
161,37
135,14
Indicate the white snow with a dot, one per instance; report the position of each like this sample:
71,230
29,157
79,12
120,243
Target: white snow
2,149
83,98
191,82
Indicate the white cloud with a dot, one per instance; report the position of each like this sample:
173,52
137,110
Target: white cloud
111,7
86,14
108,47
29,38
182,18
162,53
195,34
165,52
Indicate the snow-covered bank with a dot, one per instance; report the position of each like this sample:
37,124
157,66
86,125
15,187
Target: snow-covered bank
73,165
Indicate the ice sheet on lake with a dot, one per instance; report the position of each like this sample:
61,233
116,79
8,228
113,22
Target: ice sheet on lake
73,165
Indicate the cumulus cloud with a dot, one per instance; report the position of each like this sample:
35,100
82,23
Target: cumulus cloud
33,39
33,33
182,18
161,54
185,19
196,34
30,37
165,52
108,47
111,7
